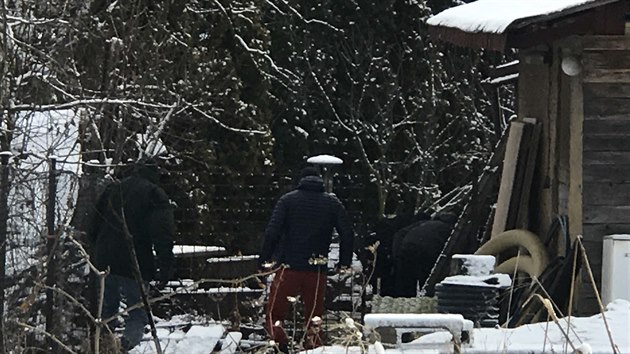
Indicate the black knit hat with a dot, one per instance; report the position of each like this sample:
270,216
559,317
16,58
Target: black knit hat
309,171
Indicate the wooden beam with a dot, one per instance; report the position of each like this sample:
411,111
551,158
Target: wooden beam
604,214
576,131
606,59
608,124
529,167
607,75
605,158
606,142
607,89
605,42
607,108
595,232
507,178
534,100
615,173
609,194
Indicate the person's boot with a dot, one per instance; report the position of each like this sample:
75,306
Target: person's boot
125,345
283,348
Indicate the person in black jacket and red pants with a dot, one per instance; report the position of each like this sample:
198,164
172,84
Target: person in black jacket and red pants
298,239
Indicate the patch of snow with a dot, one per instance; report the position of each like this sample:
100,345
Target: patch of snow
477,265
230,344
333,258
197,340
547,337
200,340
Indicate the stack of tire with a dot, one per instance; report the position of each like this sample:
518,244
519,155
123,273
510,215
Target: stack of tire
476,303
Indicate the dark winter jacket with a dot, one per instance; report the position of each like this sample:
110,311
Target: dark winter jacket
301,227
149,219
419,250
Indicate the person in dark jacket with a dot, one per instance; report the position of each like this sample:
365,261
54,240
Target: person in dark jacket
138,208
298,238
417,251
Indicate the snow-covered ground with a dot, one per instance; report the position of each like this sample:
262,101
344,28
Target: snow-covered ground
588,334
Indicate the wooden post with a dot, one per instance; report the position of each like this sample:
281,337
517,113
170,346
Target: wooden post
576,121
4,216
534,101
51,245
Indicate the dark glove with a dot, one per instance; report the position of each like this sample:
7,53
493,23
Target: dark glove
160,285
255,283
266,266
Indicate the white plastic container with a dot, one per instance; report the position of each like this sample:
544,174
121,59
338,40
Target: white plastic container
616,268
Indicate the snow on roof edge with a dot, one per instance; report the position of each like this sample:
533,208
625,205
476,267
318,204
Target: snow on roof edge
495,16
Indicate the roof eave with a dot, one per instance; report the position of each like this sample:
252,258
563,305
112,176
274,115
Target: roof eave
605,17
477,40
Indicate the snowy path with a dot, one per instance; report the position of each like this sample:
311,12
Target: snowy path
547,337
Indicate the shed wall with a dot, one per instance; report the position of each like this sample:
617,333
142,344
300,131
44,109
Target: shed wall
606,150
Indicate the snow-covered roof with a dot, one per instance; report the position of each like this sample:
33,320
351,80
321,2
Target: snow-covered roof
495,16
501,24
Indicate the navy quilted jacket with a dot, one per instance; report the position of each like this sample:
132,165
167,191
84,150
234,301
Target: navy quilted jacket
301,227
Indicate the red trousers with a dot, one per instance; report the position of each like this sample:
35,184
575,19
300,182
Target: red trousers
311,286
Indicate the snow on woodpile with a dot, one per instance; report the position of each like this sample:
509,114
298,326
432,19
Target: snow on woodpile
228,259
189,286
494,16
196,249
492,280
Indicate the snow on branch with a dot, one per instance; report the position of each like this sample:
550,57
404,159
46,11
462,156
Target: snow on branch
284,72
34,21
267,57
87,102
308,21
224,126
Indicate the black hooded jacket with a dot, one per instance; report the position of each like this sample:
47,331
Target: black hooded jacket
301,227
149,219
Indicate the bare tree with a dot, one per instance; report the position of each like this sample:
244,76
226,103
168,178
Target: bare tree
408,114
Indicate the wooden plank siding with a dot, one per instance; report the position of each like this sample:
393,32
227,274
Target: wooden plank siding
606,151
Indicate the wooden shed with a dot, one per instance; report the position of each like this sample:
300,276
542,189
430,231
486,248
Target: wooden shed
574,81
